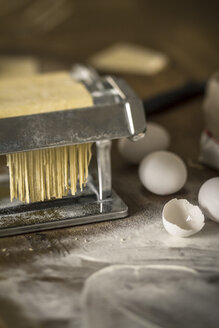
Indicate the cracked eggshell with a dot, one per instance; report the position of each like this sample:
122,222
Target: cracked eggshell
181,218
156,138
208,198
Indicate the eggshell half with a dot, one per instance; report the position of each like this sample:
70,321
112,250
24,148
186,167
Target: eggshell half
156,138
181,218
208,198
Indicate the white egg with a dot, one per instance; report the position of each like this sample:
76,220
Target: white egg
156,138
182,219
163,173
208,198
211,105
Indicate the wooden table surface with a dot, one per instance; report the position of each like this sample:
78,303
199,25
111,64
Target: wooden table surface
129,272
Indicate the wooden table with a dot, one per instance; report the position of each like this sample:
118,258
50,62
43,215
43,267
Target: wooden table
130,272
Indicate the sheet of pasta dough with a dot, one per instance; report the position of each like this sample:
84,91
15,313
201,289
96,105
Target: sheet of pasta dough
12,66
41,93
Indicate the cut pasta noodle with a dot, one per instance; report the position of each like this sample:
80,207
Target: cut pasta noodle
48,173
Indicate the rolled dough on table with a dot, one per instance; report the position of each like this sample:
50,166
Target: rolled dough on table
11,66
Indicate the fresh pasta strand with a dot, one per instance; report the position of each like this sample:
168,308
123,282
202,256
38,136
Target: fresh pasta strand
48,173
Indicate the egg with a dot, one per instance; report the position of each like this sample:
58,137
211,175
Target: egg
162,172
208,198
181,218
156,138
211,105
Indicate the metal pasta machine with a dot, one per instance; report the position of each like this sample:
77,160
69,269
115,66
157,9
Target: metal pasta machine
117,113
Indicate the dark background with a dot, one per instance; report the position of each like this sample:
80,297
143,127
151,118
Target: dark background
71,31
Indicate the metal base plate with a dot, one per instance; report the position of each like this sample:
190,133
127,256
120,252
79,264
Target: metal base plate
17,218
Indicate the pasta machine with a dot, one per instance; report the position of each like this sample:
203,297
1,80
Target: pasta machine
116,113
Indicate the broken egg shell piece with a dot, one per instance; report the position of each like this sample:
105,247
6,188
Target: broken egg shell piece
182,219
